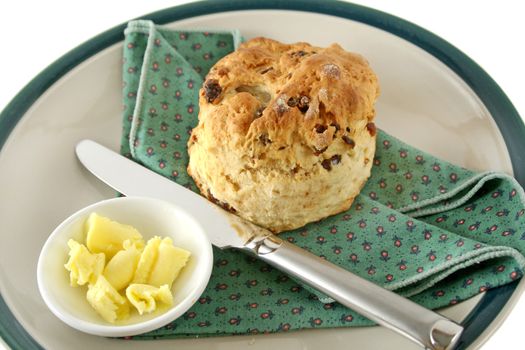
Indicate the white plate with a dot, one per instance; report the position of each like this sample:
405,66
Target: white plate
423,102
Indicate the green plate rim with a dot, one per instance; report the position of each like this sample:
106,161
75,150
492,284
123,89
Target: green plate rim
505,115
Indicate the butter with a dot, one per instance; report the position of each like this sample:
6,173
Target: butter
107,301
160,263
147,260
144,273
107,236
145,297
83,266
121,268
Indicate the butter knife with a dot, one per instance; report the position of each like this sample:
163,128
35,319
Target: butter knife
225,230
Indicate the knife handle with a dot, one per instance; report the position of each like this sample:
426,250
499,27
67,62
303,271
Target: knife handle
423,326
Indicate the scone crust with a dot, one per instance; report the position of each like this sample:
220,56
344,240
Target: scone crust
285,134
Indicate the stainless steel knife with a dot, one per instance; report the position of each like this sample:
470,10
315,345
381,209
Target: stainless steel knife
225,230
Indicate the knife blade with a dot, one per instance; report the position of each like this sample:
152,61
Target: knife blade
225,230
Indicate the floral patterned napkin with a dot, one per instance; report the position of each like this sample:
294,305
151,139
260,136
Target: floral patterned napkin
425,228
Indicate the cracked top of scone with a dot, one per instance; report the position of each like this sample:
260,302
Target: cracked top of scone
277,113
268,96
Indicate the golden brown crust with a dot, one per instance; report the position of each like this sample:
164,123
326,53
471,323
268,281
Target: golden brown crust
277,124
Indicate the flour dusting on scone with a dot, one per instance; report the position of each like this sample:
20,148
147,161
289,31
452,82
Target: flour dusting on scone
286,133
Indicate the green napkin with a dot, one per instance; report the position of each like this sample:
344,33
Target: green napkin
423,227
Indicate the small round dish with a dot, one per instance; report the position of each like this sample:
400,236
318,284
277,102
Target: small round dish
151,217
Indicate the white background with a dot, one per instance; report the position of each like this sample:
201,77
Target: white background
36,33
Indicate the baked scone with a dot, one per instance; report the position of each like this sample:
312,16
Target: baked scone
285,134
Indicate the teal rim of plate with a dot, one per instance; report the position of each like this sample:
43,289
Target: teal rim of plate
501,109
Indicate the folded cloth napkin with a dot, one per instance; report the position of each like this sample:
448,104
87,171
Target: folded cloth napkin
425,228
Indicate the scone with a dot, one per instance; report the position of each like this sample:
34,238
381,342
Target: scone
286,133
